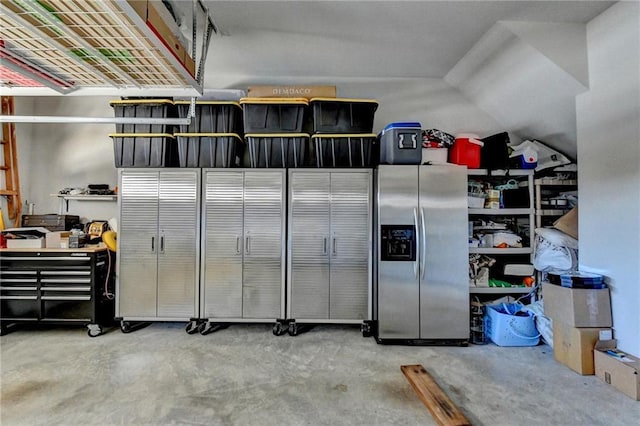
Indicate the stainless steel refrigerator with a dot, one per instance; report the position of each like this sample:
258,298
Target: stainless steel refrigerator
421,268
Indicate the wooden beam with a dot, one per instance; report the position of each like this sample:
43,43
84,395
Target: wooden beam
443,410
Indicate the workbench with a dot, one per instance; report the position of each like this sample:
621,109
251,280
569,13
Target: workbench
57,286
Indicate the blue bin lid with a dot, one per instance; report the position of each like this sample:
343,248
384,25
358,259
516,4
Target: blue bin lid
402,125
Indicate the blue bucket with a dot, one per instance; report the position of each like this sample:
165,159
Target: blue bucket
504,328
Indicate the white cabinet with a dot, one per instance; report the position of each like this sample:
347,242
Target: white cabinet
515,216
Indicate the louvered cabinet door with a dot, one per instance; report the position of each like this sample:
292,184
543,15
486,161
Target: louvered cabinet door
222,211
178,224
350,245
263,271
308,235
137,243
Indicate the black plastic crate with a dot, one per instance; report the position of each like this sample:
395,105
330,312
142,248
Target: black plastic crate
278,150
144,108
342,115
209,149
144,150
274,115
211,117
345,150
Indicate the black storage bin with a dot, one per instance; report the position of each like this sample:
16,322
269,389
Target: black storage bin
278,150
211,117
209,149
342,115
144,150
144,108
345,150
52,222
274,115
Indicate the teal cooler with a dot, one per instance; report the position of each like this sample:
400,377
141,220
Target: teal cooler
401,143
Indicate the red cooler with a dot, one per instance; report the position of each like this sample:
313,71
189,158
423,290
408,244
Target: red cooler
466,150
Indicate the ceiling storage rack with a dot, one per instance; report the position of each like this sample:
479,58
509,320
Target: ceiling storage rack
102,47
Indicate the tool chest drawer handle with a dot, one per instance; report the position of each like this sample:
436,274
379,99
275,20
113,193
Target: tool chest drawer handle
40,259
65,288
66,298
4,272
18,288
66,280
18,298
18,280
65,273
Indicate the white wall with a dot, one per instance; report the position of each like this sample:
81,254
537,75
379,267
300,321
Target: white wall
69,155
608,128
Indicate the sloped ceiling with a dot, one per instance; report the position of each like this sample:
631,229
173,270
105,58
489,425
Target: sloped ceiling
334,42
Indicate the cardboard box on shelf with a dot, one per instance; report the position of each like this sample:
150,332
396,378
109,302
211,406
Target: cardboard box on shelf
619,369
577,307
568,223
58,239
307,92
20,243
573,346
166,29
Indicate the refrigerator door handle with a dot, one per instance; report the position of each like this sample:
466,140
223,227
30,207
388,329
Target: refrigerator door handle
415,222
423,249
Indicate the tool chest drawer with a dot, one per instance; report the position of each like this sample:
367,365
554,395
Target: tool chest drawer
57,286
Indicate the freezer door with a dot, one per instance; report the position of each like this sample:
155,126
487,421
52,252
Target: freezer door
137,244
178,225
398,280
263,276
350,245
444,253
309,232
222,212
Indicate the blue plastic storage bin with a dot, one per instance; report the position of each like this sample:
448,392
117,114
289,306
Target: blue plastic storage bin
506,329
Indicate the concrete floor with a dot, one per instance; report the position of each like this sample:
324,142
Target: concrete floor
246,376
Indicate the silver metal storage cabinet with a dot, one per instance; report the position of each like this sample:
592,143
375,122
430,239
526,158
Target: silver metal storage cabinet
158,241
243,247
329,252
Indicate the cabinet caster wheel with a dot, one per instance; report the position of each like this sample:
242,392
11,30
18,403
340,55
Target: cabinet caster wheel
192,327
365,328
205,328
279,329
94,330
125,327
293,329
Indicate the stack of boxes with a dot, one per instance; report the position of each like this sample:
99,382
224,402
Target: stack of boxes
274,131
342,132
579,316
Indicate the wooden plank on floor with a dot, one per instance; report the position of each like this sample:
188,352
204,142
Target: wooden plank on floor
441,407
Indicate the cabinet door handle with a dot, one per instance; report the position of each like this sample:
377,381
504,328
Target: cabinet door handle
153,244
238,251
247,249
162,244
324,245
335,246
423,250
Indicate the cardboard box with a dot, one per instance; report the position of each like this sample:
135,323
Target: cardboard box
568,223
577,307
166,29
56,239
25,243
622,372
573,346
307,92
